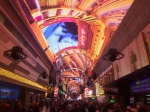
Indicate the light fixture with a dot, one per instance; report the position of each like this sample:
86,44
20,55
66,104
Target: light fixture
16,53
113,55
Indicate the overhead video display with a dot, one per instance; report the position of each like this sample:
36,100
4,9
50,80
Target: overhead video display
61,35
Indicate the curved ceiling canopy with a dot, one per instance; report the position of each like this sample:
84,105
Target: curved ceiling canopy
74,32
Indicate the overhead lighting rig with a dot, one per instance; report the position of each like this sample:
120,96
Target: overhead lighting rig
15,53
44,75
113,55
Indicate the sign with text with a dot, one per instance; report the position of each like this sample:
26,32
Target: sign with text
141,85
85,35
9,92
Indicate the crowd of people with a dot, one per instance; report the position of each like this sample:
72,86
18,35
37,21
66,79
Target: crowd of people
94,106
70,106
18,106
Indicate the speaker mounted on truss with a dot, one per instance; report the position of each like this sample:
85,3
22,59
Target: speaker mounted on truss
113,55
44,75
16,53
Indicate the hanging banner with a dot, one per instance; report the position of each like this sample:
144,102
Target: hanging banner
84,35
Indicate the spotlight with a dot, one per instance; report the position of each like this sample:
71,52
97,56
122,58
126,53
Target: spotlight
113,55
16,53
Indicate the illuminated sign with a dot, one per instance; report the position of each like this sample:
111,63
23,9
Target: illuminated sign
8,91
85,35
141,85
82,34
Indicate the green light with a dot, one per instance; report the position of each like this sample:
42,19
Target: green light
111,101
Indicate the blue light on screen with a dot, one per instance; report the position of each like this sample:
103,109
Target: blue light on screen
61,35
9,91
141,85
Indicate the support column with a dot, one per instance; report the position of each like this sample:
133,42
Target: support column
86,88
56,89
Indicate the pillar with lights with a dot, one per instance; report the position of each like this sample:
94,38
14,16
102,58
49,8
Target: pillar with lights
86,88
56,89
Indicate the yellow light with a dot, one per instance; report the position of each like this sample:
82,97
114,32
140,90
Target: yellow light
52,2
84,5
113,5
68,2
65,12
16,77
99,89
52,12
35,13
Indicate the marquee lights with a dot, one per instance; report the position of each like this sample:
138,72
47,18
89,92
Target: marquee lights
16,77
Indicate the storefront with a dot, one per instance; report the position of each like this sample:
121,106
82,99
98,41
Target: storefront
9,91
140,91
135,87
34,95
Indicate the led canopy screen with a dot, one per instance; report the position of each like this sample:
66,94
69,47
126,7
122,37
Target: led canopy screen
61,35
